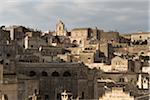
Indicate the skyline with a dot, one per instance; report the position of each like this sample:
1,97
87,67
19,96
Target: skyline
123,16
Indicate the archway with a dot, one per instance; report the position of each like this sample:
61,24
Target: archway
32,73
66,74
44,73
55,74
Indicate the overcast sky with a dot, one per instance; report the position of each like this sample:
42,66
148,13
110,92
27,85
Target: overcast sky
124,16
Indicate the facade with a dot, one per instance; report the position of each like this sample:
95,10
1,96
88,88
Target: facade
50,80
87,57
101,66
17,32
121,77
33,42
121,64
107,51
79,36
116,93
110,36
143,81
141,36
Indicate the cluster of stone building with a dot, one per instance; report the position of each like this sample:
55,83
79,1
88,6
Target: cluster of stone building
83,63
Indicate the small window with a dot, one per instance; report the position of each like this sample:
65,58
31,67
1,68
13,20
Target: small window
132,80
80,42
140,37
67,74
8,55
1,61
144,81
31,45
69,33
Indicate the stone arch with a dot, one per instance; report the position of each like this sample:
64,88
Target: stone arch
66,74
74,41
32,73
55,74
44,73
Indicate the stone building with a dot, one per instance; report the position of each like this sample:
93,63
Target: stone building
121,64
100,66
138,49
60,41
33,42
79,63
4,37
33,34
87,57
141,36
143,81
80,36
110,36
4,42
17,32
8,51
126,36
106,50
51,79
138,81
121,77
8,85
116,93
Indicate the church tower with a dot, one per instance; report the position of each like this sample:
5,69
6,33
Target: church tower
60,29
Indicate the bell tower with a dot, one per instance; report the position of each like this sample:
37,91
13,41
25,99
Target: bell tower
60,28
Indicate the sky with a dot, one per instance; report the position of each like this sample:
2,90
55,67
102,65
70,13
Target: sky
124,16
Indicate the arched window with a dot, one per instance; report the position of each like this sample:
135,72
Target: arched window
66,74
44,73
55,74
32,73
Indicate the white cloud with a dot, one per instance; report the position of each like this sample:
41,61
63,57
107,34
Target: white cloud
122,15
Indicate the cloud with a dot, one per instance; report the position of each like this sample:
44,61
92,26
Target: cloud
125,15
